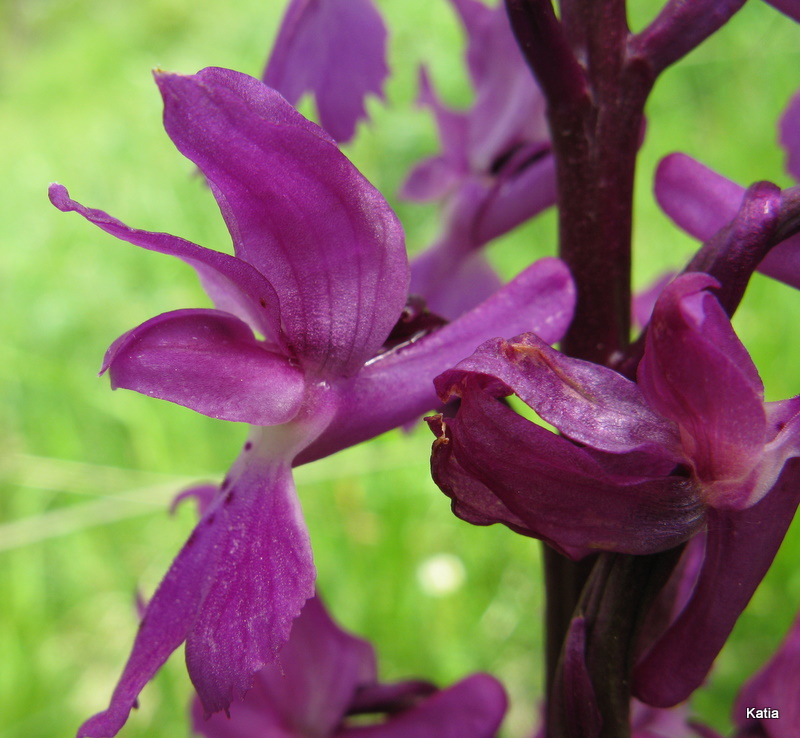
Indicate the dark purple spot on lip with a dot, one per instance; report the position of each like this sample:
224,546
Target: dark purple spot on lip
210,519
225,483
228,498
191,538
248,445
262,302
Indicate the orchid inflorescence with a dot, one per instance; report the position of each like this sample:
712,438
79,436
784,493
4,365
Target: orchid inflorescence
670,483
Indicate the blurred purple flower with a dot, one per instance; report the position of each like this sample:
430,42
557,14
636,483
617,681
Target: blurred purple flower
324,676
701,201
775,687
495,170
320,272
647,465
334,49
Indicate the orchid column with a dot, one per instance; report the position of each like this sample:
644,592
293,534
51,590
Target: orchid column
596,77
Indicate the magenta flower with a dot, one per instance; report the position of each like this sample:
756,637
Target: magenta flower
336,50
320,272
324,675
647,465
495,170
701,201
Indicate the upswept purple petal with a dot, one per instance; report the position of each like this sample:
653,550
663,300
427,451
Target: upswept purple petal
335,49
476,17
698,199
232,594
473,708
397,386
588,403
789,131
696,372
561,493
298,211
740,548
307,691
210,362
776,686
234,285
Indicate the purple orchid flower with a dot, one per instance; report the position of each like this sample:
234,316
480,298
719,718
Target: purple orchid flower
691,445
320,272
495,170
324,676
336,50
701,201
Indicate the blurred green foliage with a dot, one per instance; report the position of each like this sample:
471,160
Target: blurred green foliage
86,476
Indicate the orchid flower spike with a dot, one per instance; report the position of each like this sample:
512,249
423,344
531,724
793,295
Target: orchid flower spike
320,272
640,467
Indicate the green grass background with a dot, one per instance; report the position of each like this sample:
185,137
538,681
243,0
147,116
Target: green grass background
86,475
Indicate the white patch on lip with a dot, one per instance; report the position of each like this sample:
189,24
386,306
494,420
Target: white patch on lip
441,574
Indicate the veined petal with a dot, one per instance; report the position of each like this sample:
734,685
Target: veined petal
335,49
234,285
397,386
473,708
697,373
740,547
232,592
298,211
210,362
588,403
307,691
559,491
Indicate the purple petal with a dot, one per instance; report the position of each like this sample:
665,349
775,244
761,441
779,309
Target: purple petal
434,177
699,200
210,362
590,404
559,491
787,7
307,691
232,593
789,128
397,386
776,686
740,548
234,285
335,49
473,708
476,17
696,372
519,193
298,211
644,301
